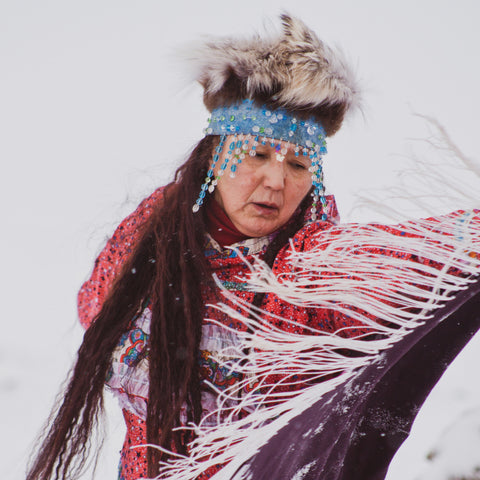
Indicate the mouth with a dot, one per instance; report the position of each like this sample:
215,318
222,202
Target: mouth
266,208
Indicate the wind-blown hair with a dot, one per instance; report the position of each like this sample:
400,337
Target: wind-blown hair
168,269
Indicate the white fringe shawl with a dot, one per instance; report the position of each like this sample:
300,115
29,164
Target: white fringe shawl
343,272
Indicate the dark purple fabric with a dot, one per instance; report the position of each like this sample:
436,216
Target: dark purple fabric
367,419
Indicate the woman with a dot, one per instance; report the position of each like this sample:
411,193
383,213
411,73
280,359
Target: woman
250,194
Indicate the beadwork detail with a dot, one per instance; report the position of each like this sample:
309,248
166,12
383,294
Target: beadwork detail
247,125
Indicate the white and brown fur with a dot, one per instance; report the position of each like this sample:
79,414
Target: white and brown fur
294,70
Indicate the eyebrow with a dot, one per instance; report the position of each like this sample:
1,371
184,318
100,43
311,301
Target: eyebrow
299,158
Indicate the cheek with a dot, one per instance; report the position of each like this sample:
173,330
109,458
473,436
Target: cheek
240,185
307,185
302,188
231,193
296,196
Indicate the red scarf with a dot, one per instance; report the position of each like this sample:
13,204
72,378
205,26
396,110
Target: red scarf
220,227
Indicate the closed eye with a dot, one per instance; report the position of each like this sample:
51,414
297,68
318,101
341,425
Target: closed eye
298,166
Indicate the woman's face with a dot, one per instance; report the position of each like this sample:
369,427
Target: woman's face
265,191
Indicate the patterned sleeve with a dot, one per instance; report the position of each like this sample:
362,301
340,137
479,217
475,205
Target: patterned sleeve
111,259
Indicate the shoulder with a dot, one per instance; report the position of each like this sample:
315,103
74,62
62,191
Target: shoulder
112,258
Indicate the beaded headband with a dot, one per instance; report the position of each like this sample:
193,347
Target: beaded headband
250,126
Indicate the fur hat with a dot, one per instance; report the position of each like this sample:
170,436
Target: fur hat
294,70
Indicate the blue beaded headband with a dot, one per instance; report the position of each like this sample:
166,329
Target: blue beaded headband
247,118
250,125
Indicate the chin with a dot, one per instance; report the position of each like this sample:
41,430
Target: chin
259,232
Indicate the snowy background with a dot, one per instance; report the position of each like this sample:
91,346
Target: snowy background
96,110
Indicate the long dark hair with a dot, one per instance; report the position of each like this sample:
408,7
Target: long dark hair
167,268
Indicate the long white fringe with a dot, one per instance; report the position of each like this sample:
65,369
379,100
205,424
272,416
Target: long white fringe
349,270
398,293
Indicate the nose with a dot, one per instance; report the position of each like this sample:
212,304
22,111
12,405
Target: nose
274,175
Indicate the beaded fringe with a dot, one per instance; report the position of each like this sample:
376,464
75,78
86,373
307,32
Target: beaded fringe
236,147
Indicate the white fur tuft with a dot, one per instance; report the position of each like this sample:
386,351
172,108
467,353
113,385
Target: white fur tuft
308,72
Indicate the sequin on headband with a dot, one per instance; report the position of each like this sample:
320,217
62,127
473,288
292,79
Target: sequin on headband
244,126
